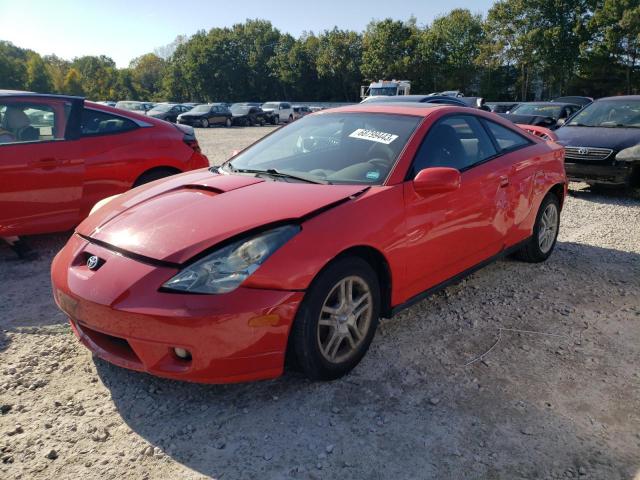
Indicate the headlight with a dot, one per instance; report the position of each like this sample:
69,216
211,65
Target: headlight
224,270
630,154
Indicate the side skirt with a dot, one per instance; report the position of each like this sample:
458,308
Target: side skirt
455,279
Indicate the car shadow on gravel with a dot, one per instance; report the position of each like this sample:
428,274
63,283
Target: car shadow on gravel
608,196
551,403
26,302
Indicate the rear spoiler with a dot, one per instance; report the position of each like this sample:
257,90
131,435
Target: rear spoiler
539,132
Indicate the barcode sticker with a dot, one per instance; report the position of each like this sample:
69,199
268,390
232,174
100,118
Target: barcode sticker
374,136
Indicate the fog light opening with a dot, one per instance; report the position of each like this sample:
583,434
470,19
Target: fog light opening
182,353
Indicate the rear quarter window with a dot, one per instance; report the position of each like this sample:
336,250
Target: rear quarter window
506,138
95,122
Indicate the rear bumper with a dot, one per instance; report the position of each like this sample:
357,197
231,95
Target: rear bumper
117,312
606,174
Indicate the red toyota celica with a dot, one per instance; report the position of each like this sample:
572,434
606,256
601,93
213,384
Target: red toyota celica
302,241
60,155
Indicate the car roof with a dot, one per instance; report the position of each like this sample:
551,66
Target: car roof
555,104
620,98
399,108
20,93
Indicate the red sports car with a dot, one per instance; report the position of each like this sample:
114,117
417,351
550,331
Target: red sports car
301,242
60,155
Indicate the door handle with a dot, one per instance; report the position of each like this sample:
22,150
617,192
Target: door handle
504,181
46,163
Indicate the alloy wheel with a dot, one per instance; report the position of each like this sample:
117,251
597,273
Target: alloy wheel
548,228
345,319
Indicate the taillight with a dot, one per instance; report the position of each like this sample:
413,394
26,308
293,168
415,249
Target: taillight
189,136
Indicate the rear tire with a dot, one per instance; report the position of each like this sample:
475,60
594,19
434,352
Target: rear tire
545,232
153,175
337,319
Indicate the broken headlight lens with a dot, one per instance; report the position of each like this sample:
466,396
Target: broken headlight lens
225,269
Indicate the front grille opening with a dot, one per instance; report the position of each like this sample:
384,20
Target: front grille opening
114,345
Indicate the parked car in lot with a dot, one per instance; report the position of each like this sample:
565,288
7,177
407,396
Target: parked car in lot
501,107
133,106
60,155
207,115
246,115
110,103
302,241
576,100
279,111
168,111
550,115
300,111
602,142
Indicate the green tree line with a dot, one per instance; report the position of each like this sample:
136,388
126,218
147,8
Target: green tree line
521,50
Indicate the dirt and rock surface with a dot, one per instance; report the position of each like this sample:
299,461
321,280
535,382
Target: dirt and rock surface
558,395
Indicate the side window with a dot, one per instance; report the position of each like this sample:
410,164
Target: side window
27,121
506,138
458,142
95,122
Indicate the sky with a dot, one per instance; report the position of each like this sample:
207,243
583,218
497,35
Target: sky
125,29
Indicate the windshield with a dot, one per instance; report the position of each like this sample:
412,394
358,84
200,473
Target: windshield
383,91
270,106
351,148
241,109
200,109
605,113
162,108
552,111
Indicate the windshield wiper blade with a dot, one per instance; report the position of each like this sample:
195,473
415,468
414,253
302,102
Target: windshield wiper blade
281,174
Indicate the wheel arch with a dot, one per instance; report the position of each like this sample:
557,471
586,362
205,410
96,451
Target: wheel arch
376,259
559,191
158,169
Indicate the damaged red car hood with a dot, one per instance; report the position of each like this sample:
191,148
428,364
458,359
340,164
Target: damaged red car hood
176,218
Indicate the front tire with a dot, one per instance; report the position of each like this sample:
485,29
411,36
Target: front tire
227,123
337,319
545,232
204,123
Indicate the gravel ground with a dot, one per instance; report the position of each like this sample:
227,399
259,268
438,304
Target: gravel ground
558,395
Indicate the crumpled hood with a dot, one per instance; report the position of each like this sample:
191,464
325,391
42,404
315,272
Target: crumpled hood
601,137
176,218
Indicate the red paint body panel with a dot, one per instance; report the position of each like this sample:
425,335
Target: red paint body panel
52,185
219,330
119,312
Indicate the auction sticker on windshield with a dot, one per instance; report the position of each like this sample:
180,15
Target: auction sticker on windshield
374,136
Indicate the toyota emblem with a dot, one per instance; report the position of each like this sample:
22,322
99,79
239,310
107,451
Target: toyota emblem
93,262
583,151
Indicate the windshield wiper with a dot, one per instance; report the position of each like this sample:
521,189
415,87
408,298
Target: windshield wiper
575,124
280,174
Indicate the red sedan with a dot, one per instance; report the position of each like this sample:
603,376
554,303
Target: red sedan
60,155
301,242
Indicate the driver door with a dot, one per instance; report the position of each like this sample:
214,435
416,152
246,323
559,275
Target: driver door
41,168
448,233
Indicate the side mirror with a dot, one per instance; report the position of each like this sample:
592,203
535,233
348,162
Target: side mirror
561,121
437,180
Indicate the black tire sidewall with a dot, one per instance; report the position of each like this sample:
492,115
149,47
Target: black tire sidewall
305,341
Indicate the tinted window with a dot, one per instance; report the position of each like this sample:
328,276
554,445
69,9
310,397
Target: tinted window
506,138
101,123
457,142
32,121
